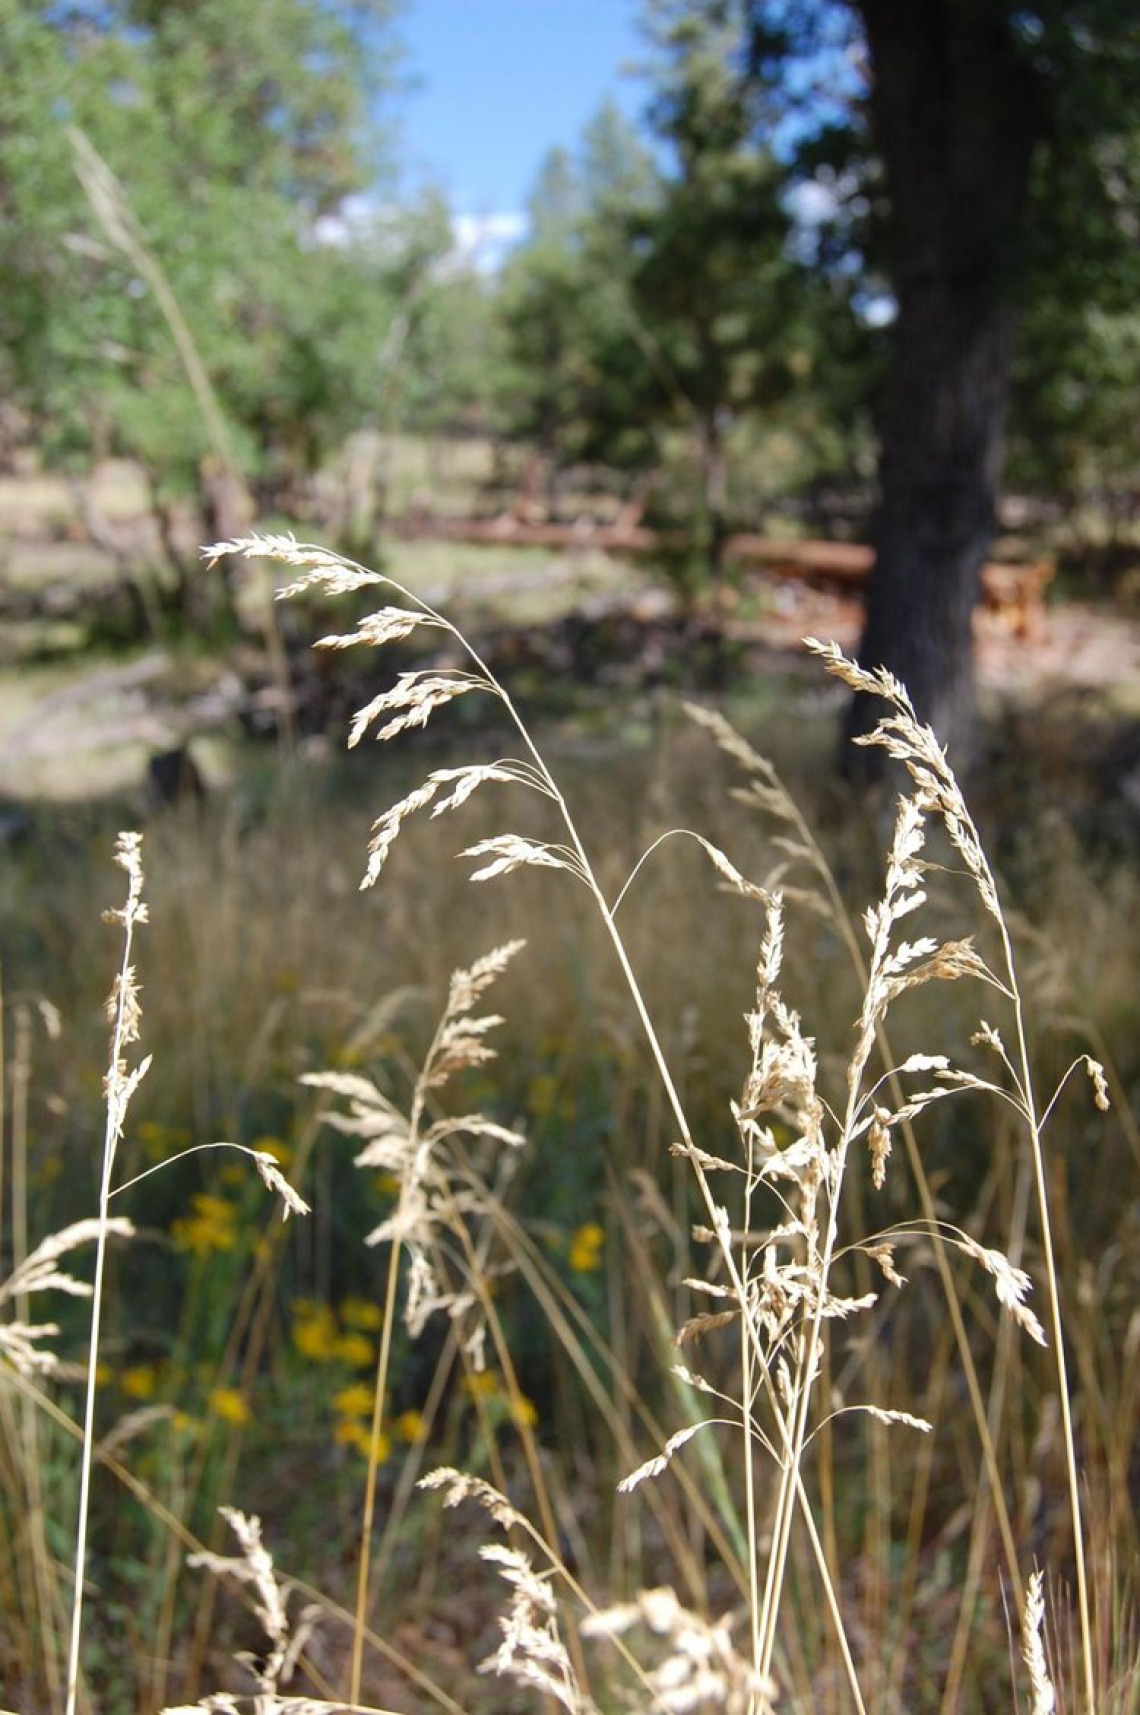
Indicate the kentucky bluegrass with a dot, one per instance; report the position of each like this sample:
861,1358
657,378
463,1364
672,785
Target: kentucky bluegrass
732,1327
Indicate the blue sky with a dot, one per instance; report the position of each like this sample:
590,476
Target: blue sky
499,82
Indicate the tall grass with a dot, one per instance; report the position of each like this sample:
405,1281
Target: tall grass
771,1471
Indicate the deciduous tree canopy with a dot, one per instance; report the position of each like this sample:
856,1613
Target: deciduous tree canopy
219,142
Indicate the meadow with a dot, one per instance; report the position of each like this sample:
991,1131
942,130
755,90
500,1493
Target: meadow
718,1184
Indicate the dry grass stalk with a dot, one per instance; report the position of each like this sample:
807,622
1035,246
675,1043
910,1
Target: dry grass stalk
533,1651
40,1270
1033,1647
418,690
936,791
436,1187
287,1640
20,1342
702,1669
776,1285
119,1086
440,1195
766,794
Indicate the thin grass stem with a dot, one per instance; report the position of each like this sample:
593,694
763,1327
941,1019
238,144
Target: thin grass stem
119,1089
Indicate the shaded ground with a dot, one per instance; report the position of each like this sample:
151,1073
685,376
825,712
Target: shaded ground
560,627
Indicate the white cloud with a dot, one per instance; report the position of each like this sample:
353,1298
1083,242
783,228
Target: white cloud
356,217
480,241
484,240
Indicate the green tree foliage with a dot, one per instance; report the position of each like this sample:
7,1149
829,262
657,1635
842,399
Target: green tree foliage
1074,424
621,189
236,135
542,303
715,283
1075,419
575,381
451,376
659,300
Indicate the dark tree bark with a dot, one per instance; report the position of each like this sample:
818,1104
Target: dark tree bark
713,524
956,115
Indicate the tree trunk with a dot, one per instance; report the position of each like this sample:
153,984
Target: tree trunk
956,117
714,496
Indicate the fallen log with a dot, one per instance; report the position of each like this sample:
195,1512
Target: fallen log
1013,594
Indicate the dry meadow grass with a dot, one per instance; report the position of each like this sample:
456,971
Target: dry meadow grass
818,1399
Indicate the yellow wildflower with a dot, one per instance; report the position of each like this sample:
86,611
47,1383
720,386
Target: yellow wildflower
481,1384
281,1152
350,1432
355,1350
382,1447
523,1411
210,1228
354,1401
230,1405
586,1248
139,1381
361,1313
410,1426
387,1184
315,1334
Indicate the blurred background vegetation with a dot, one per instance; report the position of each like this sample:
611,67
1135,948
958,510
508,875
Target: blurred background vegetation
696,314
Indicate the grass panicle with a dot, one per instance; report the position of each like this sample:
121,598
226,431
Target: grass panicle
273,1668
